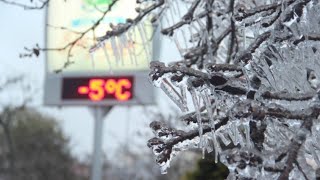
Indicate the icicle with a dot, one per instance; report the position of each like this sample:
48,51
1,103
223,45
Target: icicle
226,141
192,38
183,91
115,49
198,115
244,37
121,47
256,29
241,140
167,19
142,25
107,57
170,10
131,40
247,132
235,133
178,8
196,28
206,99
203,153
314,154
204,145
184,38
210,146
92,59
232,132
125,42
177,44
171,5
172,94
144,41
201,25
217,147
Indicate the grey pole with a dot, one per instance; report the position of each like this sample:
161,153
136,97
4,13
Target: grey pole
98,114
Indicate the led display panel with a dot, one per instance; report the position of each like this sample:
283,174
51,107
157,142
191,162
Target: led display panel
98,88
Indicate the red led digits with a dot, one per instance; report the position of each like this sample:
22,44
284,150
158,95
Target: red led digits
83,90
110,86
99,88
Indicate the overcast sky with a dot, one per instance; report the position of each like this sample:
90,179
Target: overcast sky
21,28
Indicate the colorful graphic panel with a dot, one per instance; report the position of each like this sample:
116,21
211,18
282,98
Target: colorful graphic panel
66,21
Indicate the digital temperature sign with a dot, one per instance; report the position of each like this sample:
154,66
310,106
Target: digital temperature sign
98,88
114,74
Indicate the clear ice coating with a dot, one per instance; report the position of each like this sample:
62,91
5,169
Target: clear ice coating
173,94
252,70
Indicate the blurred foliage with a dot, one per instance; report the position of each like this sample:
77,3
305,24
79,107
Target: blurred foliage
207,169
33,147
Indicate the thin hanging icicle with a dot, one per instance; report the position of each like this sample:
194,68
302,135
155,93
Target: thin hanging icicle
147,42
175,39
178,8
171,4
166,18
235,133
125,42
192,37
115,50
204,145
247,132
241,140
132,41
206,99
92,59
121,48
170,10
201,25
107,57
142,35
217,147
198,115
226,141
172,94
183,91
184,38
232,132
244,37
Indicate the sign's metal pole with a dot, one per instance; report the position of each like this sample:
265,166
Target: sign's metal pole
98,114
